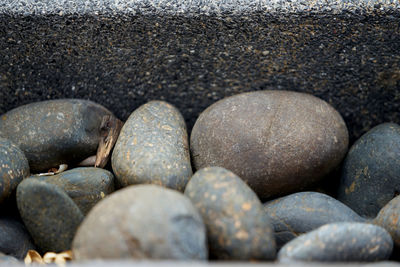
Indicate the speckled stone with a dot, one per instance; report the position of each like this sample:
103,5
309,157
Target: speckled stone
153,148
389,218
142,222
277,141
13,167
340,242
49,214
371,170
237,226
303,212
54,132
85,186
14,238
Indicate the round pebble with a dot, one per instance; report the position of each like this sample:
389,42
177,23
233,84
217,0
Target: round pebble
13,168
142,222
303,212
6,259
152,148
371,170
277,141
85,186
49,214
237,226
389,218
340,242
54,132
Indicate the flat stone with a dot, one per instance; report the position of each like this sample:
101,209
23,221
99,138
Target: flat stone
303,212
153,148
14,238
371,170
237,226
85,186
49,214
191,53
142,222
13,167
54,132
278,142
389,218
340,242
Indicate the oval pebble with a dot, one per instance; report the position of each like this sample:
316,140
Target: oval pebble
142,222
6,259
303,212
277,141
237,226
49,214
389,218
371,170
54,132
152,148
340,242
13,168
85,186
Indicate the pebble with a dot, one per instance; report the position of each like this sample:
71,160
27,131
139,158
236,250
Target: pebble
152,148
303,212
237,226
13,168
14,238
371,170
54,132
340,242
6,259
49,214
85,186
142,222
279,142
389,218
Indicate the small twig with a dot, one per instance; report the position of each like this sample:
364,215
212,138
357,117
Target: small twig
54,171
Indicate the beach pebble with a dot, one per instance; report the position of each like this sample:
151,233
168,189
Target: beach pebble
340,242
152,148
237,226
371,170
277,141
54,132
303,212
142,222
389,218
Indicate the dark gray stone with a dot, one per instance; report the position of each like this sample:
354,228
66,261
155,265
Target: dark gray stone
49,214
153,148
340,242
237,226
54,132
142,222
371,170
14,238
191,53
278,142
303,212
389,218
13,167
85,186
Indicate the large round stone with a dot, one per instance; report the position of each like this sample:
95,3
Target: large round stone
152,148
237,226
371,170
49,214
142,222
277,141
13,167
340,242
303,212
54,132
85,186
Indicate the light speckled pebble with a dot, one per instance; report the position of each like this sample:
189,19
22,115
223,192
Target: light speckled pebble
340,242
153,148
303,212
142,222
237,226
13,167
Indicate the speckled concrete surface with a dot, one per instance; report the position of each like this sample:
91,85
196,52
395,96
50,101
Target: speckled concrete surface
122,53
